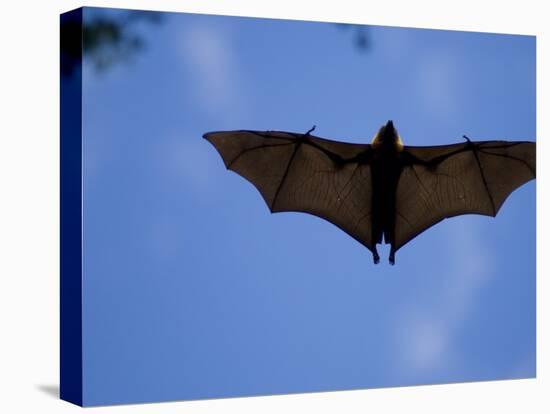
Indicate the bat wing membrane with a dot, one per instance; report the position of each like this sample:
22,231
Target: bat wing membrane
308,174
450,180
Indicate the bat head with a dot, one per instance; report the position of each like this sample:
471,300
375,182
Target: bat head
388,138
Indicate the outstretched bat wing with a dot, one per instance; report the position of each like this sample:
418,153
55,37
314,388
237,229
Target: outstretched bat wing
468,178
304,173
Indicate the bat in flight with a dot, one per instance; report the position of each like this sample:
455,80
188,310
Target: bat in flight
379,191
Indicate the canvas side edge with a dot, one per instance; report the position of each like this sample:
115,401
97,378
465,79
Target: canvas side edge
71,207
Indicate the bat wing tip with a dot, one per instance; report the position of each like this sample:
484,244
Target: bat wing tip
208,135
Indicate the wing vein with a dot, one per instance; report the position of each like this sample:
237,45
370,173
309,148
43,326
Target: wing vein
510,157
284,175
484,181
252,149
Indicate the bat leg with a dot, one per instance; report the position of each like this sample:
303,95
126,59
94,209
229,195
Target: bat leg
375,255
392,256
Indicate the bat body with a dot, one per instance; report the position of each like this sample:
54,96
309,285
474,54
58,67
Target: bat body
378,192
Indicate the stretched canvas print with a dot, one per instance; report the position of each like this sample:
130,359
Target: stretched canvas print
182,133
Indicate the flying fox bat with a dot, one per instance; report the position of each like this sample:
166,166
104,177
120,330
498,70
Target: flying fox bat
379,191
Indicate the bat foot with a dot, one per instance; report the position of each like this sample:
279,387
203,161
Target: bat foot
392,258
376,257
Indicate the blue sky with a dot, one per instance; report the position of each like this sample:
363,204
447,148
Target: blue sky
193,290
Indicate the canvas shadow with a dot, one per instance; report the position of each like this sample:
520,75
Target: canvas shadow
49,389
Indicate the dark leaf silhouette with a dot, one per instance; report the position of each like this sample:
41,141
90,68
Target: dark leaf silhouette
107,37
360,33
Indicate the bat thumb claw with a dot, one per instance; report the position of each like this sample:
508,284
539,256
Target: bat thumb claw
310,130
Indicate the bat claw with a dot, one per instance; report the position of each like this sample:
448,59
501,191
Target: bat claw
392,258
310,130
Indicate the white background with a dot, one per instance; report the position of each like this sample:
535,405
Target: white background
29,205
